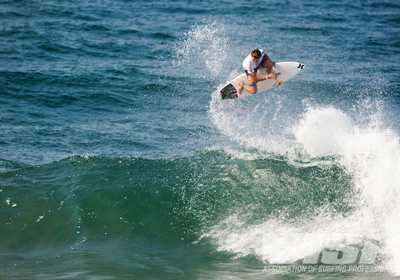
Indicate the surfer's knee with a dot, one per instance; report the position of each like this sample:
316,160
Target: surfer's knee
252,90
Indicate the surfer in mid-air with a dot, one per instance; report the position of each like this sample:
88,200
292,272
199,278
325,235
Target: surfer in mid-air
258,58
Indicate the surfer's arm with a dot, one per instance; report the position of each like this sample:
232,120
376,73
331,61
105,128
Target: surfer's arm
257,78
263,78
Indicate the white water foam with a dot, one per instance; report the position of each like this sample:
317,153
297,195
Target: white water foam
371,155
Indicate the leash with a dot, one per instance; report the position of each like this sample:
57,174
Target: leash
248,107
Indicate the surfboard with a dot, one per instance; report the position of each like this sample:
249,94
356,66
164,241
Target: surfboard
284,70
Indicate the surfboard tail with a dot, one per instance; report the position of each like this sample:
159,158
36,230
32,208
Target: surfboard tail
228,92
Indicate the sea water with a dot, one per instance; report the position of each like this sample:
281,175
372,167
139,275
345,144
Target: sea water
119,161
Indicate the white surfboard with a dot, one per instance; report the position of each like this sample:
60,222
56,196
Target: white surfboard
285,71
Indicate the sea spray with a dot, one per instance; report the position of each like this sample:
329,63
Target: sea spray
371,155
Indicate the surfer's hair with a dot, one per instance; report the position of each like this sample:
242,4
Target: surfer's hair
256,53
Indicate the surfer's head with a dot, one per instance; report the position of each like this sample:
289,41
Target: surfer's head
255,55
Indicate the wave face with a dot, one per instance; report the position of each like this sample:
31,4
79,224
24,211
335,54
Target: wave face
119,161
159,208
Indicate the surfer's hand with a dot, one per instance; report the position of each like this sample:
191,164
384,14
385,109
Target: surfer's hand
272,76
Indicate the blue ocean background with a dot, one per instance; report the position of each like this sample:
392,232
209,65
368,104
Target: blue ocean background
119,161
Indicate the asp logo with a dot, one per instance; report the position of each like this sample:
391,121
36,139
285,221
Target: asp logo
365,253
345,255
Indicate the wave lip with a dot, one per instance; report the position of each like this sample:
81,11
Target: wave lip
368,155
372,156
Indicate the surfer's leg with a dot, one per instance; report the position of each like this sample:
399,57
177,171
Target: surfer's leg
250,89
252,86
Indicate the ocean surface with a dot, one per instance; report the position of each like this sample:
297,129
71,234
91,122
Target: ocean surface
118,160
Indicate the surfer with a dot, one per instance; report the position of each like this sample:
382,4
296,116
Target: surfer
258,58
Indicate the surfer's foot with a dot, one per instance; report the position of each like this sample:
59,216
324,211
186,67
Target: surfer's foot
240,87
